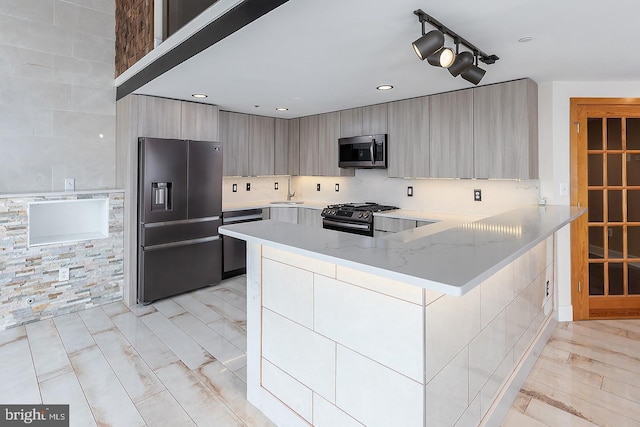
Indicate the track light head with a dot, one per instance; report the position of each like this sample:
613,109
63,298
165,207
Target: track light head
473,74
463,61
443,58
428,43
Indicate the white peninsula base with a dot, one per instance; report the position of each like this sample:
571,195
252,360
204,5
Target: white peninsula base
332,346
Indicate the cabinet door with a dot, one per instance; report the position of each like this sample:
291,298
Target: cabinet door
309,145
294,147
505,118
374,119
451,130
288,214
392,225
158,117
281,147
261,145
328,135
199,121
408,139
310,217
234,135
351,122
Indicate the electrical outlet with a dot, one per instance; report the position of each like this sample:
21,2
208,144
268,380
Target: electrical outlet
564,189
69,184
409,191
248,186
234,188
547,289
63,274
337,187
318,187
275,185
477,195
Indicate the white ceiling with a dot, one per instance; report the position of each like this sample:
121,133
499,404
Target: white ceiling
314,56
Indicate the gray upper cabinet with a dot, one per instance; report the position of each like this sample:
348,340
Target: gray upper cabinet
328,135
234,134
374,119
159,117
294,147
505,118
451,134
199,121
309,145
261,145
351,122
408,141
281,147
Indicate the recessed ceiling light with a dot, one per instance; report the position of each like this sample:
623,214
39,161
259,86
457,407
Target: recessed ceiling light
384,87
101,135
525,39
282,109
199,95
296,99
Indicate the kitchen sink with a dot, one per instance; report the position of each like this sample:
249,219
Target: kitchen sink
287,202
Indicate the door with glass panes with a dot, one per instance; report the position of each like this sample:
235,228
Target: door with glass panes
605,169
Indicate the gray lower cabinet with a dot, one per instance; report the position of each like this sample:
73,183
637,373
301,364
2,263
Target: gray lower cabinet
281,147
234,134
385,225
284,214
310,217
505,127
261,145
451,134
408,138
294,147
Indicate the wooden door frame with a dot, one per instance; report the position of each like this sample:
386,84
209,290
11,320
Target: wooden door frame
578,172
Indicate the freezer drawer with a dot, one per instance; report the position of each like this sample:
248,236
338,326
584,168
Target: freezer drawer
173,231
174,268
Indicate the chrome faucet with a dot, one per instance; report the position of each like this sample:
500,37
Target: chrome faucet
289,193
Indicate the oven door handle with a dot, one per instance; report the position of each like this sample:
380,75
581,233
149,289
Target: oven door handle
346,224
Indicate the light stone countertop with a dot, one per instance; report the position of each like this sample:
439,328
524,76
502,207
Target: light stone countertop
452,261
261,204
60,193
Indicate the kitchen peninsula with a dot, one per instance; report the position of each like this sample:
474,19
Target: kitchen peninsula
412,329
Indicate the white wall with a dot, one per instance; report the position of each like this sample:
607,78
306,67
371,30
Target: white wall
57,94
553,121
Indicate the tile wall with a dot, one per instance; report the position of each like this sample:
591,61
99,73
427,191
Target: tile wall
57,97
29,286
332,354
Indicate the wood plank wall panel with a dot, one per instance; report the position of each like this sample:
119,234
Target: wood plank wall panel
134,32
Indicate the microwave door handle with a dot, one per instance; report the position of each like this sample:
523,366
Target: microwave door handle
372,151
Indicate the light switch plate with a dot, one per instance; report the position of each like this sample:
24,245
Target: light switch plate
317,187
69,184
248,186
409,191
275,185
337,187
234,188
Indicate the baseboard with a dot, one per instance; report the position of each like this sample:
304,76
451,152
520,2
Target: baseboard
505,399
565,313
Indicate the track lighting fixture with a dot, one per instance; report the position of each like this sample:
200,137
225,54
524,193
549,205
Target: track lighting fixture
431,46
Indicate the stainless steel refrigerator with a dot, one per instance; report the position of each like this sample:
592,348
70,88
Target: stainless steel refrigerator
179,212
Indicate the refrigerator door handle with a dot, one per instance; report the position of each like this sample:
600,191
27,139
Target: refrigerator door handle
180,243
181,221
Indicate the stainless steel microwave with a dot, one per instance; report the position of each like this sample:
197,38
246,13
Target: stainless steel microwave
368,151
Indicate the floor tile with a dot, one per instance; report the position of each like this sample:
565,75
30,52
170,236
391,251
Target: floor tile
65,389
202,404
570,372
137,378
168,307
242,374
96,320
48,352
19,383
197,309
107,398
231,297
114,308
553,416
12,334
233,393
221,306
183,345
231,332
162,410
73,332
518,419
154,352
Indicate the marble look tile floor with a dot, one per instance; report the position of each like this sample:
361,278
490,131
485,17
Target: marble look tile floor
182,362
587,375
177,362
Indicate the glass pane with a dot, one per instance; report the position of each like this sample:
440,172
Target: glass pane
633,169
633,205
616,284
633,134
596,242
615,242
595,169
594,134
634,278
615,205
596,279
614,134
614,169
595,206
633,241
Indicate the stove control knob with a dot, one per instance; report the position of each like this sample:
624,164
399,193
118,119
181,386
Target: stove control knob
366,215
360,215
333,212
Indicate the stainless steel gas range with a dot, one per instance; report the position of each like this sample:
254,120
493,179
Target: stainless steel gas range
354,218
